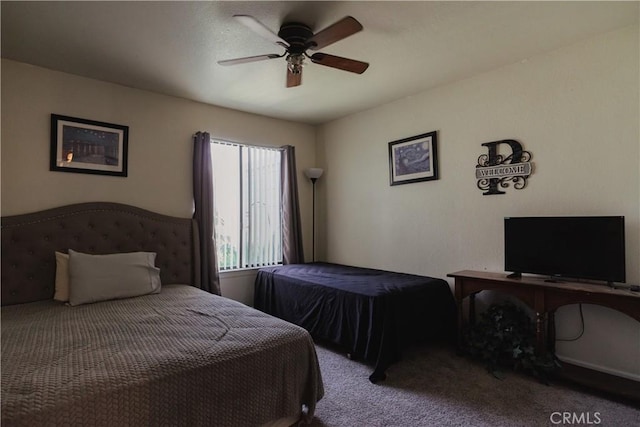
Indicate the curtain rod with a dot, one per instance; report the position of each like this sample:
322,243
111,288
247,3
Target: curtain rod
227,142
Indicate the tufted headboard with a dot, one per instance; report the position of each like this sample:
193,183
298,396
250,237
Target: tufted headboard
30,240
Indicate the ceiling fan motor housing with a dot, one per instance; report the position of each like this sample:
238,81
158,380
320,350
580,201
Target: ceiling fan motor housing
296,34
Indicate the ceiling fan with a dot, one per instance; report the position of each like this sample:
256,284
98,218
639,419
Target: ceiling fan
296,38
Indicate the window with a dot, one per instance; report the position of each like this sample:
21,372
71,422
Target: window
247,221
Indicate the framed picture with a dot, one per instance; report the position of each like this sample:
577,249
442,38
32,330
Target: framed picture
414,159
87,146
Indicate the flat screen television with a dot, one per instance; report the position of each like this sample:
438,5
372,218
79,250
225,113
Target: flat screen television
577,247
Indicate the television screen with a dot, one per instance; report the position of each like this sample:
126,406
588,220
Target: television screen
587,247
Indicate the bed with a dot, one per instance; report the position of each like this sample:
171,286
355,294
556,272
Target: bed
180,356
372,314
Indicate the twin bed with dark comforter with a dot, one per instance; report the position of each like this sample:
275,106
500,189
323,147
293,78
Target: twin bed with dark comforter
178,357
372,314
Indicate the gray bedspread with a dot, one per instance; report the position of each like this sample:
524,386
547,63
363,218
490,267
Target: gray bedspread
180,357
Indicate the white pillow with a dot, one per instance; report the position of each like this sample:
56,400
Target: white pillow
62,277
94,278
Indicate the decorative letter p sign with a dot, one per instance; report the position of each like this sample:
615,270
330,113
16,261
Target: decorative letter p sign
495,171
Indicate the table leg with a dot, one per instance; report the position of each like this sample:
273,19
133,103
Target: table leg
551,331
472,309
540,333
460,323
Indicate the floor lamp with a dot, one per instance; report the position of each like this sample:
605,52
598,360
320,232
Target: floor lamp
313,174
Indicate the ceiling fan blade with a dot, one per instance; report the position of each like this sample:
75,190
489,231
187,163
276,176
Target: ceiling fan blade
249,59
293,79
336,32
261,29
340,63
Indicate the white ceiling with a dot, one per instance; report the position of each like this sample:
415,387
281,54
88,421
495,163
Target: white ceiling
173,47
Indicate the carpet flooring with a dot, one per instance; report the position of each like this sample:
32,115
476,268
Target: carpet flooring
432,386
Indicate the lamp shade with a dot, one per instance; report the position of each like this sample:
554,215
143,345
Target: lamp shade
313,173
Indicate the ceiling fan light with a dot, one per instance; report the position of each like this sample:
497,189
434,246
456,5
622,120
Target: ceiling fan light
295,68
295,62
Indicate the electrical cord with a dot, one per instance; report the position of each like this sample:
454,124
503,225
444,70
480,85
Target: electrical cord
581,325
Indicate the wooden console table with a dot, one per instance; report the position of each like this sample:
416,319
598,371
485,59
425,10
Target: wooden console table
543,297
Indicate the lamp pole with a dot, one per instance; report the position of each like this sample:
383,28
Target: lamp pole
313,216
313,174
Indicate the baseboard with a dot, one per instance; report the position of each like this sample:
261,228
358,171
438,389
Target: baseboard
594,367
613,386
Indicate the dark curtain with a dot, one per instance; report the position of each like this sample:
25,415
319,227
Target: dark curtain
204,212
292,251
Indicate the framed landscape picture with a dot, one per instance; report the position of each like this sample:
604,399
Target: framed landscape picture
88,146
414,159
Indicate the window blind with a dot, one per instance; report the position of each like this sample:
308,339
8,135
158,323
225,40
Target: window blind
248,206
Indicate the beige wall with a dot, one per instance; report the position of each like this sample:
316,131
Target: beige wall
160,147
576,110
